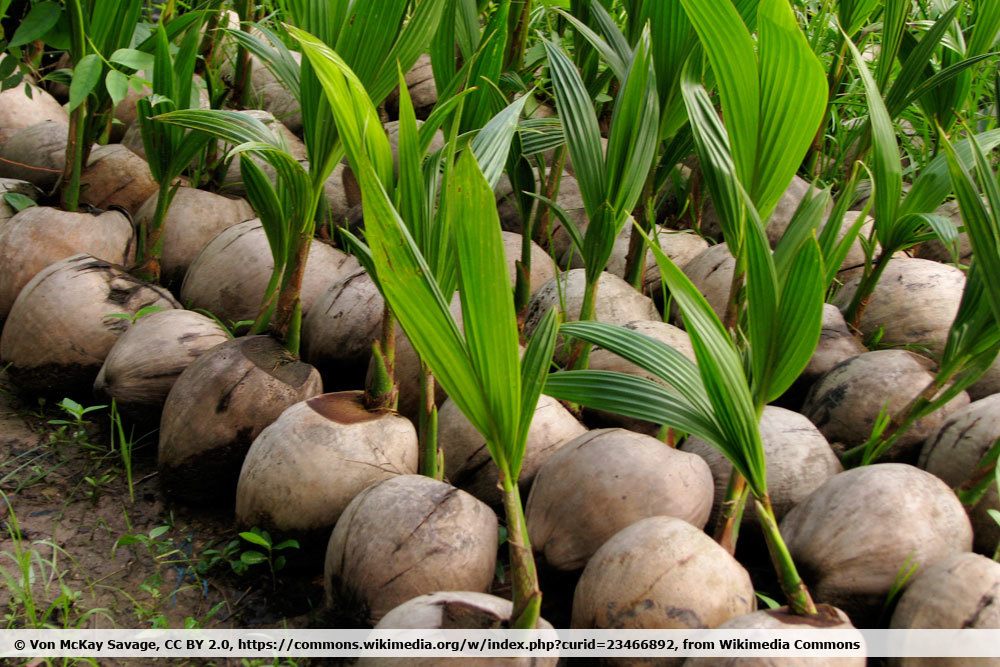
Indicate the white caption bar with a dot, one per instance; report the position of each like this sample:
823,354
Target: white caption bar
498,643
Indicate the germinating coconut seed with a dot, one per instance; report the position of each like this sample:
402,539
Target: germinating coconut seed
13,186
18,110
36,154
955,454
303,470
852,535
40,235
604,481
836,345
543,268
115,176
423,92
407,536
776,225
66,320
711,271
960,592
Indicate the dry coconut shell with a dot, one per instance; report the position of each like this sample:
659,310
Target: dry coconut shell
604,481
914,303
66,320
351,187
304,469
39,235
661,573
230,276
845,402
14,187
779,220
148,358
407,536
711,271
115,176
342,324
218,406
955,452
836,345
454,610
799,460
852,535
605,360
962,593
468,464
18,110
420,84
194,218
543,268
828,618
617,302
36,154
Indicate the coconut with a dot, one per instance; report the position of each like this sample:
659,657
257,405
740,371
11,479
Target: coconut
799,460
617,302
194,218
856,253
420,84
605,360
988,384
18,110
303,470
939,252
407,536
914,303
661,573
851,537
115,176
569,198
454,610
955,452
36,154
845,402
337,334
828,618
543,269
13,186
271,95
604,481
39,235
798,188
218,406
232,183
836,345
351,187
230,276
66,319
711,271
468,464
962,593
147,359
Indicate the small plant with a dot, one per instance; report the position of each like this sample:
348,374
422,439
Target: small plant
899,584
135,317
124,446
77,429
96,484
275,561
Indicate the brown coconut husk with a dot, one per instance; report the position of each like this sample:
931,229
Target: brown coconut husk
18,111
115,176
36,154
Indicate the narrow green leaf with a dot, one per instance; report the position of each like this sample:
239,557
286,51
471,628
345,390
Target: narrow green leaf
534,369
491,145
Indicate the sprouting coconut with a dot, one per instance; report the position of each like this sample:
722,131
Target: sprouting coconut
661,573
18,111
543,269
66,319
194,218
115,176
230,276
955,453
36,154
407,536
454,610
856,254
14,186
960,592
851,537
828,618
776,225
269,94
147,359
617,302
303,470
338,332
711,271
423,91
39,235
232,183
914,303
799,460
468,464
604,481
218,406
845,403
836,345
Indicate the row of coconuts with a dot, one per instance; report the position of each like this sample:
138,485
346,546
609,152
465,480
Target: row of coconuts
243,424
